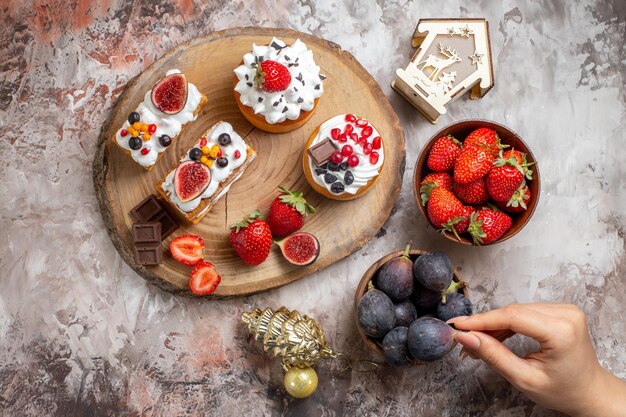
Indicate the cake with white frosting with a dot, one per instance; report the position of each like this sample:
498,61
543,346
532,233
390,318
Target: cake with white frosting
277,86
343,157
158,120
206,172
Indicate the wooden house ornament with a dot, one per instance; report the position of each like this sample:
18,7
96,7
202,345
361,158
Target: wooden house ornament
452,57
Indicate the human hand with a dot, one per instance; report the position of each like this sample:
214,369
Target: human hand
564,375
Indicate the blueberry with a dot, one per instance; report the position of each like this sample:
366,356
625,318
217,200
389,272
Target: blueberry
134,143
429,339
348,178
222,162
395,277
330,178
333,166
195,154
424,299
343,166
375,314
224,139
165,140
405,313
456,305
395,348
337,188
433,271
320,171
324,166
133,117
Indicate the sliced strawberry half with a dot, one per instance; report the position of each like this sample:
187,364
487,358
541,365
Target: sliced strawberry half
191,179
187,249
204,279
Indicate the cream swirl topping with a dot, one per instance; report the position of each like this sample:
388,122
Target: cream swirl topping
364,171
218,174
306,82
167,124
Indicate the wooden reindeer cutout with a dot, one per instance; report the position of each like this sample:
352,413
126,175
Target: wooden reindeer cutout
453,57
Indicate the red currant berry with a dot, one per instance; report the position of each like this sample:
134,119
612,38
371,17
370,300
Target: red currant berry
202,142
348,129
336,157
354,137
367,148
151,128
367,131
376,142
334,133
145,151
347,150
123,132
353,161
219,153
350,118
361,123
374,158
343,138
237,154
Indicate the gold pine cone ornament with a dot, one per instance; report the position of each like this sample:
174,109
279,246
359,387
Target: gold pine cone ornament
296,339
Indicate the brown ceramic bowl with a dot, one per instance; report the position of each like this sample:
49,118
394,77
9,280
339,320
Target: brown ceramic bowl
374,344
460,130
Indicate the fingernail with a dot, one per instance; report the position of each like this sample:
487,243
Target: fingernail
468,340
455,319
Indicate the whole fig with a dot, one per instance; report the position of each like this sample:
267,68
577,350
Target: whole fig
394,346
433,271
455,305
395,277
405,313
376,314
424,299
429,339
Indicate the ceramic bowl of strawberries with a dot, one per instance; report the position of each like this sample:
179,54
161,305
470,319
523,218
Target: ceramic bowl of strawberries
477,182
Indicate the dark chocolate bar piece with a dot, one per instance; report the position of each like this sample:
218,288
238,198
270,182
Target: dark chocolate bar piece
320,153
148,254
145,211
168,224
146,233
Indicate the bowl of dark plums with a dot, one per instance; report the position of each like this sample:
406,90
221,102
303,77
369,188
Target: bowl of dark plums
403,302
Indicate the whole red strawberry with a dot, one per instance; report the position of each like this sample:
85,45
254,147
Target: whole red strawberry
445,211
488,225
432,181
287,212
251,238
442,155
473,193
463,225
479,151
272,76
507,175
518,202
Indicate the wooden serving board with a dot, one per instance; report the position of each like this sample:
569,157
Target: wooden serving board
208,62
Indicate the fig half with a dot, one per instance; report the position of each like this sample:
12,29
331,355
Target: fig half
300,248
191,179
170,94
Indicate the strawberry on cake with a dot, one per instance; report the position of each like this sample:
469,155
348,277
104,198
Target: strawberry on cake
278,86
343,157
160,117
206,172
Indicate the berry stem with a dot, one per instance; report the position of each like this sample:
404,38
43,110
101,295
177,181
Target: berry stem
405,254
452,288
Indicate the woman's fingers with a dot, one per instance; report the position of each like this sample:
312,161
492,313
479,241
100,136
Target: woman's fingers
515,317
498,357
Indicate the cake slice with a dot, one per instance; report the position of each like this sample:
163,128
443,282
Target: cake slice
158,120
206,172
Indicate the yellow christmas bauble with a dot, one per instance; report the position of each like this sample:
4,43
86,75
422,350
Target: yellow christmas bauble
300,382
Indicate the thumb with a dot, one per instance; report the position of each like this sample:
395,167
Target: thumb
497,356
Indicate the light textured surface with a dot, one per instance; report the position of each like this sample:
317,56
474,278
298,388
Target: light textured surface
81,334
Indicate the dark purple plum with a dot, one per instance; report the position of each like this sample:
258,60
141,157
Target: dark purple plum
395,277
424,299
433,271
376,314
429,339
394,347
405,313
455,305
